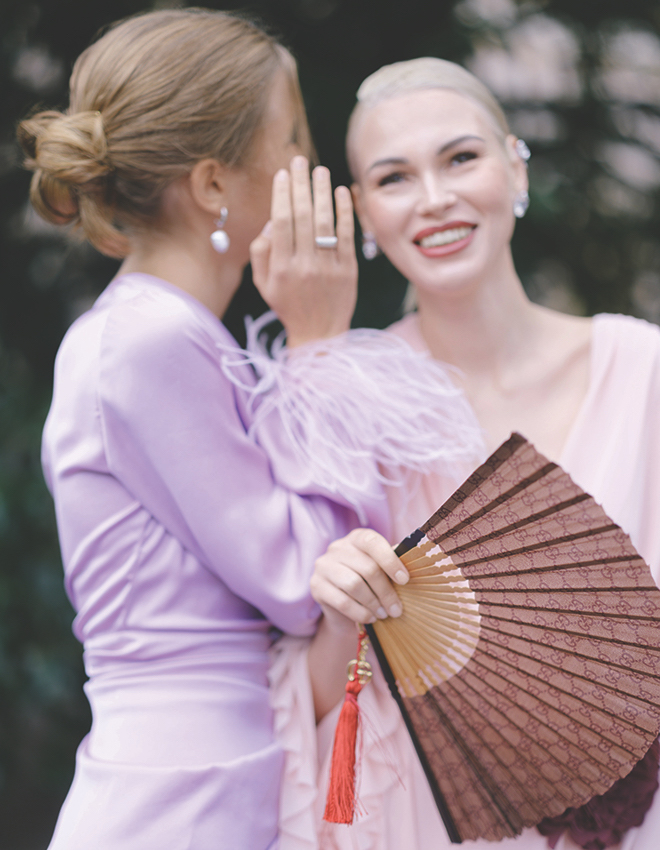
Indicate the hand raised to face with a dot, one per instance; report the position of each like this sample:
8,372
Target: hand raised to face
312,288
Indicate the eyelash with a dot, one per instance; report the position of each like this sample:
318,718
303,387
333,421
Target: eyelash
457,158
463,156
394,177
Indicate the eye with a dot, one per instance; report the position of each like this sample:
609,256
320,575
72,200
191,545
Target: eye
393,177
463,156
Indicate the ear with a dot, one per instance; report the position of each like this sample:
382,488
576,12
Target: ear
208,186
358,204
518,164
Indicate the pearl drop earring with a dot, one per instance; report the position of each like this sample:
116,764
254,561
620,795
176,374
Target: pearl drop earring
520,203
370,247
219,238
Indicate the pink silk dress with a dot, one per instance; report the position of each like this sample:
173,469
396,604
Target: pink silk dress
613,452
187,541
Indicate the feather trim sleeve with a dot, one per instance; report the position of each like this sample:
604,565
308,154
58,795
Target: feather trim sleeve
359,407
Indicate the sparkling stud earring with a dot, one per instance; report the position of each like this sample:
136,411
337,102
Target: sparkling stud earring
370,247
520,203
219,238
522,150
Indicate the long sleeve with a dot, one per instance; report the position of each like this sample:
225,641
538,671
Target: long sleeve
175,439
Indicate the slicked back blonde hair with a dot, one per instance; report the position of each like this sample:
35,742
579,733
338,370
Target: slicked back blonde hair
414,75
154,95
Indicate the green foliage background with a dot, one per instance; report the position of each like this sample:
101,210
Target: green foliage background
589,243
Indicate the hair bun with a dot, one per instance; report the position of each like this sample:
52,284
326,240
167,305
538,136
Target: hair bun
69,157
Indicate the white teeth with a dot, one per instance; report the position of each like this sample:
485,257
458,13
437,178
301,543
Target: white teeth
444,237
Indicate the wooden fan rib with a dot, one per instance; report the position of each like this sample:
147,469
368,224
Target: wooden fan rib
463,610
406,664
614,711
409,666
415,564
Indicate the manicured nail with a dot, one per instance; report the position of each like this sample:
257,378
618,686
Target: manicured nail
282,175
396,610
370,620
401,577
299,162
381,613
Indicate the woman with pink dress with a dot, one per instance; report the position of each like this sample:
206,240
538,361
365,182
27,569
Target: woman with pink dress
188,523
439,181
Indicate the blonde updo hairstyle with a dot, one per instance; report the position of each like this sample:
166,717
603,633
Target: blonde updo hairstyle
154,95
413,75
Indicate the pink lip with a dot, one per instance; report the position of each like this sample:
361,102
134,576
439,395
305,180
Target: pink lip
441,250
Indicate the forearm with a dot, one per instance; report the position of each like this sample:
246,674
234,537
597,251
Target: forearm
329,653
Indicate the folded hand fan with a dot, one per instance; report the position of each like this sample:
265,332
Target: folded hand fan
527,660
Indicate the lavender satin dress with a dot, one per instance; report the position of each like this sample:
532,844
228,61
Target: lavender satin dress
181,552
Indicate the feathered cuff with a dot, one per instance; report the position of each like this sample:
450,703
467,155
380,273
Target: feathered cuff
355,408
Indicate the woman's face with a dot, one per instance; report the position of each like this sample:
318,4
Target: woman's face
435,184
274,148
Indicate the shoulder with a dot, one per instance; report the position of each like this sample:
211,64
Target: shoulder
627,342
408,330
145,316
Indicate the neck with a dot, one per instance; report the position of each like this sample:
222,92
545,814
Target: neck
194,268
481,328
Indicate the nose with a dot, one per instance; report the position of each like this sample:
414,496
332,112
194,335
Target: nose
436,194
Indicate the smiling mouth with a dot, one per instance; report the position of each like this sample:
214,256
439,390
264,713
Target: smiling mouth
445,237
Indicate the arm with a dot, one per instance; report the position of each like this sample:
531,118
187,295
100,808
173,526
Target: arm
175,439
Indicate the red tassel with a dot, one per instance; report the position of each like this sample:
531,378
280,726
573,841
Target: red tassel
340,803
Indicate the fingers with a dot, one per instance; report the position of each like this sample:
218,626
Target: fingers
345,224
301,192
281,217
260,255
377,547
355,577
324,219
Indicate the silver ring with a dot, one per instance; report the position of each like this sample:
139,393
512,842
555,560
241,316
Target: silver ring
326,241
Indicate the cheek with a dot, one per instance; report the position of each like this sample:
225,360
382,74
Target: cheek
387,216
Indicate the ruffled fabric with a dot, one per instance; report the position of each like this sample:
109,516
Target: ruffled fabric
359,405
295,731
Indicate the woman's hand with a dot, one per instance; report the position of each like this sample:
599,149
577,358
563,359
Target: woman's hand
353,580
353,584
312,290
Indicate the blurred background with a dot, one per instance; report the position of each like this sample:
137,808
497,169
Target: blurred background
580,81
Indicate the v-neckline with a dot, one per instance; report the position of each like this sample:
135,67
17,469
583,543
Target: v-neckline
586,403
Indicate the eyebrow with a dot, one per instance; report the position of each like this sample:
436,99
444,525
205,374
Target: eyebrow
399,160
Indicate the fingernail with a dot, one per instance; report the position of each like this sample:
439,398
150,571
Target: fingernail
370,620
267,228
396,610
321,169
282,175
299,162
381,613
401,577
